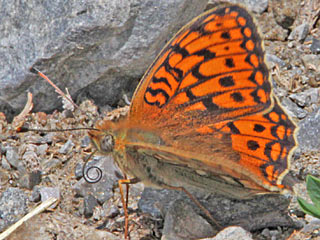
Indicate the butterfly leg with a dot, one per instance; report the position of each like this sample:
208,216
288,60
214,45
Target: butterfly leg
208,214
127,189
125,202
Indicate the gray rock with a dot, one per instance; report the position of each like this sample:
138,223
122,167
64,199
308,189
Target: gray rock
103,189
13,206
13,157
67,113
78,171
293,110
311,226
311,60
182,222
266,233
275,234
315,46
49,164
257,6
309,132
103,46
285,12
89,203
291,44
66,147
30,180
48,138
257,213
300,32
4,177
4,163
273,59
232,233
253,5
85,142
110,210
156,202
306,98
48,192
30,157
41,149
35,196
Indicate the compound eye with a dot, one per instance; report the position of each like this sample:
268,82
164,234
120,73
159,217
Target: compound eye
107,143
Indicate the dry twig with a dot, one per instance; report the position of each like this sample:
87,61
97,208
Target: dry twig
43,206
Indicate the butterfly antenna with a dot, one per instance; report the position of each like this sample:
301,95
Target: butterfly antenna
26,129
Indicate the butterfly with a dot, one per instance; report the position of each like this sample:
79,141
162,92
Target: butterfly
204,114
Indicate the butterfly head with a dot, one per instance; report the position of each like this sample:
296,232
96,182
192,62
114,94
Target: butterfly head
103,137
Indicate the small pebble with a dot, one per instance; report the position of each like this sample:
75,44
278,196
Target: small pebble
13,157
78,171
110,209
258,6
232,233
89,204
66,147
4,177
311,60
42,149
275,60
35,196
300,32
13,205
266,233
315,46
47,192
30,180
85,142
67,113
291,45
4,163
49,164
48,138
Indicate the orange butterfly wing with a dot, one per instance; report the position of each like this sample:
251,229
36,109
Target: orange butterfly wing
265,142
214,65
208,94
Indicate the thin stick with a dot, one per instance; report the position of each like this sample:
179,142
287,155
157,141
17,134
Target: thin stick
34,70
26,110
43,206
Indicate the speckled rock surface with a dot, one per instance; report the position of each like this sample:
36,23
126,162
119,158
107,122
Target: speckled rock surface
97,49
100,51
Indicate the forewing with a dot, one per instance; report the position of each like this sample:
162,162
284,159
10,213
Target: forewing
214,67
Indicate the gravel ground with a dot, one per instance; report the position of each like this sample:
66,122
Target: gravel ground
37,165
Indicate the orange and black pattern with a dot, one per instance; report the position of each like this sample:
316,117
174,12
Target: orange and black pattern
204,114
210,87
264,142
215,64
